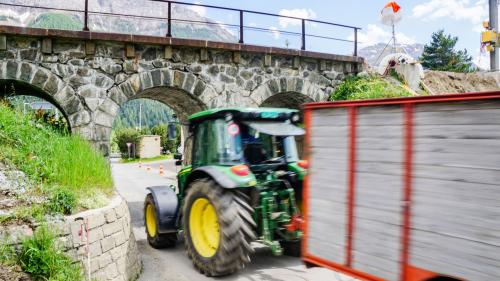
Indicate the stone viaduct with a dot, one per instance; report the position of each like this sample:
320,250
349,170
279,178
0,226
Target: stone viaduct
89,75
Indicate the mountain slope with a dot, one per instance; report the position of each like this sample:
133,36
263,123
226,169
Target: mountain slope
373,54
181,14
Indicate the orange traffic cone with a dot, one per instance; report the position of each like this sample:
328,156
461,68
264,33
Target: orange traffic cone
140,164
161,170
148,168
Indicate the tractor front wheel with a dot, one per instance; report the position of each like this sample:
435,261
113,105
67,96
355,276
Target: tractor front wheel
155,239
218,228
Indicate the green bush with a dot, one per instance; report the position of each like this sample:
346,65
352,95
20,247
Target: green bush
124,136
61,201
367,87
7,251
41,257
51,158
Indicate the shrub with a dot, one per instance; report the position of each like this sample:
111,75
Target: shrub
368,87
7,251
124,136
61,201
41,257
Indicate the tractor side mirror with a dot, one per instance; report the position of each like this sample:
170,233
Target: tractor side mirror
178,156
178,163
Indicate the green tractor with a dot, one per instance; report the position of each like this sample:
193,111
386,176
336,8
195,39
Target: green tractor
240,182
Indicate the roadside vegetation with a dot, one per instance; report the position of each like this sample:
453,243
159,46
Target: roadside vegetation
40,256
369,86
64,168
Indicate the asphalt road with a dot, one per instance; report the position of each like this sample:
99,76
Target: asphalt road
172,264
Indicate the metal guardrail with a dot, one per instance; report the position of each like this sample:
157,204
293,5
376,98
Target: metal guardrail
86,12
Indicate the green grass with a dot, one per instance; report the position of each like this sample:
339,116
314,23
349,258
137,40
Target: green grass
42,257
146,160
369,87
58,164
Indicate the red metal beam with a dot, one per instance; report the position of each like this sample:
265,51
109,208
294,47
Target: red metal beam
407,192
305,189
419,99
351,194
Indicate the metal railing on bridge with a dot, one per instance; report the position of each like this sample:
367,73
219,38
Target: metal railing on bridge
171,17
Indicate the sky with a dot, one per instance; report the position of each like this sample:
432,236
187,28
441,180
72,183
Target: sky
462,18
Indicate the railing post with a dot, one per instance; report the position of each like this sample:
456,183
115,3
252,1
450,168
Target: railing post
169,24
86,16
241,26
355,42
303,34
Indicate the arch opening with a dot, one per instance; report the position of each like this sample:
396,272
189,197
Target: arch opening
29,98
157,107
291,100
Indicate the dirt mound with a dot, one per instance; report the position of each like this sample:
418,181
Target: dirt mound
441,82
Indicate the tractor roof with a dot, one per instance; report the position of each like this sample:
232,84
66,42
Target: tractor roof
243,113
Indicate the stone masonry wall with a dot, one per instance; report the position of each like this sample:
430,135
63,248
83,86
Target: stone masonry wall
113,250
90,80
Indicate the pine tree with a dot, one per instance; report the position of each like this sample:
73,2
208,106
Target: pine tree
440,54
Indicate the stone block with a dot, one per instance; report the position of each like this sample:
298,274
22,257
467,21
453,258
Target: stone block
130,51
107,244
322,65
179,79
95,249
104,260
96,221
121,264
118,252
47,45
111,228
89,48
296,62
119,238
204,54
110,215
168,52
237,57
267,60
111,271
95,235
3,42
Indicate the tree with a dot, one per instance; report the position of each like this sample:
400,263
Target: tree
440,54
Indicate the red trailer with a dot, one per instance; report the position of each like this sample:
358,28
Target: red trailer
404,189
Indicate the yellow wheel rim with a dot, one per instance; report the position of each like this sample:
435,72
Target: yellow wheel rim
204,227
151,220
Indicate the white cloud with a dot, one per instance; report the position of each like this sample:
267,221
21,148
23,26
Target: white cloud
375,34
298,13
275,32
473,11
202,11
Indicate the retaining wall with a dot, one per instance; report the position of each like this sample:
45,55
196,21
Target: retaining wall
113,250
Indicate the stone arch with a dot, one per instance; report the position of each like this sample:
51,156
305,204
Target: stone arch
44,84
294,88
184,92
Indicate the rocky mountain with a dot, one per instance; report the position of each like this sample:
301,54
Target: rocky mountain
373,54
187,22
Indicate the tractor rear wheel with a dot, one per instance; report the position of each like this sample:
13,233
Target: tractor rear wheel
155,239
218,228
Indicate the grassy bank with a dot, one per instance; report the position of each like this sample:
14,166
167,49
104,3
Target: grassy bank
147,160
65,168
368,87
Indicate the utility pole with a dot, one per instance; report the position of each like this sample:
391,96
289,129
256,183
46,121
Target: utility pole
494,54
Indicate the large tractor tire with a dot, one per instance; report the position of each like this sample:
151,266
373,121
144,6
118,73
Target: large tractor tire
155,239
218,228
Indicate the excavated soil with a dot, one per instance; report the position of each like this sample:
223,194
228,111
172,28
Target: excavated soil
13,273
441,82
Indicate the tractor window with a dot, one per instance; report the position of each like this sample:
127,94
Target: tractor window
200,146
228,142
